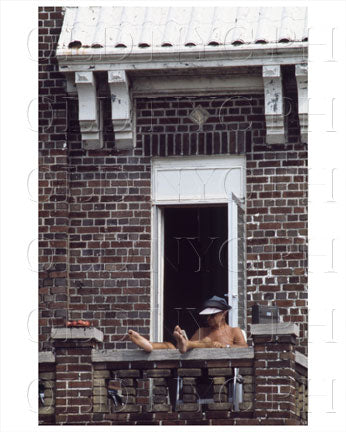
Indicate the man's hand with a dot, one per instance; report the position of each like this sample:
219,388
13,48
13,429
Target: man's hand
218,345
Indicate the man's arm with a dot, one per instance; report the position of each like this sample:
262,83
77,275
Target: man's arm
238,338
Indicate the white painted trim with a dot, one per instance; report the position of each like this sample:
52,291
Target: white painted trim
90,117
161,263
157,229
197,198
196,85
121,109
273,104
197,163
157,269
183,58
182,202
303,102
71,87
153,273
233,261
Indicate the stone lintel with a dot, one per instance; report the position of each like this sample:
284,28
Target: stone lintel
46,357
69,334
275,329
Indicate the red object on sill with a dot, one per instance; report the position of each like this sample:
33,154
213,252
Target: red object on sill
79,323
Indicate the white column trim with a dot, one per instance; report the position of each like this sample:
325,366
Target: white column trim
233,294
157,270
273,104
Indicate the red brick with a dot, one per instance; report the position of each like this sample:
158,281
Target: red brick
81,418
228,421
80,384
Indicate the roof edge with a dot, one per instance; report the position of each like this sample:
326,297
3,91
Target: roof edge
99,59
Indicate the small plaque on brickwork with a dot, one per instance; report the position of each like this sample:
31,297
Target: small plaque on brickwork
199,115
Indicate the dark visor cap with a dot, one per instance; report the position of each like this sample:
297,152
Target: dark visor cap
216,302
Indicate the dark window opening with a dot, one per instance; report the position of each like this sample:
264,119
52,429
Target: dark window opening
195,263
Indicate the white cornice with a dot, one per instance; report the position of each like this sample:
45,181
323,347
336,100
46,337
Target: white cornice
102,59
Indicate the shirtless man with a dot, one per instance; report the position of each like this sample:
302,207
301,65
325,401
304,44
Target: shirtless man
218,334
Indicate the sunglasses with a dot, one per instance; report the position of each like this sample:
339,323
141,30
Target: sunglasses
212,315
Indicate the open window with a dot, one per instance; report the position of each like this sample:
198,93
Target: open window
198,234
195,263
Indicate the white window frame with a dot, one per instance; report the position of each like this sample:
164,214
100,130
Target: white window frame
157,228
233,282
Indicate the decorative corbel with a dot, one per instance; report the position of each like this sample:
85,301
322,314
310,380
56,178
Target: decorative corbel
71,88
303,103
274,108
121,110
89,112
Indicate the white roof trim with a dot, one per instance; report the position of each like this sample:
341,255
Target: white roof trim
98,59
239,36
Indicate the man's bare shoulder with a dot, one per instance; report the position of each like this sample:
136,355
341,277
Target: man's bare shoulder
235,329
238,336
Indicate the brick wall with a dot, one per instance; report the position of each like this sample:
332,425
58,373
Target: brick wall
53,208
95,205
277,225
